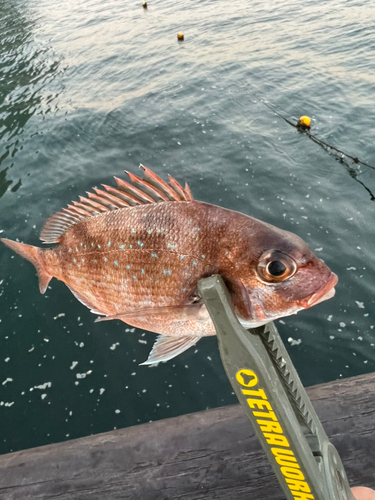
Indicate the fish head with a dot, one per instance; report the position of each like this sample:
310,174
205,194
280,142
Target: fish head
279,276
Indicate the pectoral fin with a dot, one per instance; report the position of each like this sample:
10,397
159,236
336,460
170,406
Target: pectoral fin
184,311
166,348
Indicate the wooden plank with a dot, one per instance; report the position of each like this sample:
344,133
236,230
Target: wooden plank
211,455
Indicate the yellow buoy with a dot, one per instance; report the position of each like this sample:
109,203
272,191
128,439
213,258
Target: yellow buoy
144,4
180,36
304,122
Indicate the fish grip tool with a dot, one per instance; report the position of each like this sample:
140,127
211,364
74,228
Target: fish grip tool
267,385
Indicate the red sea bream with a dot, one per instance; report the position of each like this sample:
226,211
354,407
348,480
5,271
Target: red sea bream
136,253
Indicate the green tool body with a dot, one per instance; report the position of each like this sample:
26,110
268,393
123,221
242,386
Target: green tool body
267,385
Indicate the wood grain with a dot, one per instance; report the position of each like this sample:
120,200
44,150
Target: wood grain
207,455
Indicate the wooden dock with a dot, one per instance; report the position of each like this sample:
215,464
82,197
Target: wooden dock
207,455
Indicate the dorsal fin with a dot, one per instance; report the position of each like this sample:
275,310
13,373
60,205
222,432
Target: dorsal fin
138,191
159,184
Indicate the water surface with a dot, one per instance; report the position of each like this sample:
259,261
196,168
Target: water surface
88,89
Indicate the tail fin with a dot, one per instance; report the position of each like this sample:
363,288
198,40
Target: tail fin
33,254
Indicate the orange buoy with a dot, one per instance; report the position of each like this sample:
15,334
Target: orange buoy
304,123
180,36
144,4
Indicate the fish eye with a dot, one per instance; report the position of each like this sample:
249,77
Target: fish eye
275,267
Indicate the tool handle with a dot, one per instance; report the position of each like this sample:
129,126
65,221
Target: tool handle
258,367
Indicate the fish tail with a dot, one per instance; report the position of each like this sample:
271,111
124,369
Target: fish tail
32,254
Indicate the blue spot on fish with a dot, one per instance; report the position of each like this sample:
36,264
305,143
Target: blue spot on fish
127,267
116,263
197,229
143,271
83,260
92,244
81,244
98,246
76,249
169,272
182,256
134,277
133,231
74,260
69,250
105,259
153,255
109,243
194,263
203,257
171,246
131,246
140,244
122,247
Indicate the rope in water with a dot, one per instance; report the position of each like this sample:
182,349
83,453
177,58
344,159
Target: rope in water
327,147
340,155
316,139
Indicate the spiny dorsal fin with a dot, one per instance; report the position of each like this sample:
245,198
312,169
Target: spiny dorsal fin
151,189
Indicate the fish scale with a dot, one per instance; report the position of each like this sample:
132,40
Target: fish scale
133,257
137,252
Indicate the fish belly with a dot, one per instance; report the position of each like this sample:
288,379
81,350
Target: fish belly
174,326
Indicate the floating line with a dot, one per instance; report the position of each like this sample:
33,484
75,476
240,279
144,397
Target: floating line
341,156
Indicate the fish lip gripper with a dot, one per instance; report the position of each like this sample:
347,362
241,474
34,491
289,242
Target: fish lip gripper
272,396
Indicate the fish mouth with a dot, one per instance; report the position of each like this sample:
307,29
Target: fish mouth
326,292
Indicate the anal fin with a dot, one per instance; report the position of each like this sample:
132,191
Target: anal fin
86,302
166,348
186,311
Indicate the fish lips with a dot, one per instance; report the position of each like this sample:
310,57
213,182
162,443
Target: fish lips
326,292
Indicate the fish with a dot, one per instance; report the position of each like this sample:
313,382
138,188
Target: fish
135,253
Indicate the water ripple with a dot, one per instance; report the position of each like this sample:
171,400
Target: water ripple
90,88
